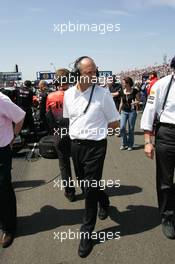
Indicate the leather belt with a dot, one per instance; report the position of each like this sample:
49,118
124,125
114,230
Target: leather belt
167,125
4,148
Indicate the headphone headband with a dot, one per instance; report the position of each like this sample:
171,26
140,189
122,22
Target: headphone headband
76,71
78,61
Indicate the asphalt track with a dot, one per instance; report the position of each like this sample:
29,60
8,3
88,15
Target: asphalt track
43,210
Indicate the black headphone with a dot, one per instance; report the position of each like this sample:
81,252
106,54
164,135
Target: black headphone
76,71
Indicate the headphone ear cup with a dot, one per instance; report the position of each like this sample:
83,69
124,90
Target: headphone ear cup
75,73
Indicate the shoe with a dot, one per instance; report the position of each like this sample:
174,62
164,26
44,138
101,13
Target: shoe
123,147
103,212
130,148
168,227
85,247
70,196
6,239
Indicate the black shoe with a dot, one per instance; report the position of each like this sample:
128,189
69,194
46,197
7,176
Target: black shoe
168,227
85,247
6,239
70,196
103,212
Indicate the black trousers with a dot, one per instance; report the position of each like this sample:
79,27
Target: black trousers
63,148
88,158
165,165
7,194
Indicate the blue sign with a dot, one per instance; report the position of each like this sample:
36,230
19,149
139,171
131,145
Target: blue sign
45,75
105,73
10,76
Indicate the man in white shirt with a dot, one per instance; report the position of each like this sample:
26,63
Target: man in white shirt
91,111
9,114
161,103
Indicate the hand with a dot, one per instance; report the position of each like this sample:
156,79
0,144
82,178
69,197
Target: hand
149,150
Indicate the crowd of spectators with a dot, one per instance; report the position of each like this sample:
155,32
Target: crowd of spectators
162,70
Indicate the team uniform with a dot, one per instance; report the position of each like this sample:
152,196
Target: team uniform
164,141
88,133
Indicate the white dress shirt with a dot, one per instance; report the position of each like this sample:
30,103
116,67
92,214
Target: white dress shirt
94,123
155,102
9,112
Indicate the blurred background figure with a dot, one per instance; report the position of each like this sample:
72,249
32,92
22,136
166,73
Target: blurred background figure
152,79
54,105
25,101
42,104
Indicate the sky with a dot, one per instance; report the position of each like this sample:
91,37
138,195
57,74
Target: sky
30,34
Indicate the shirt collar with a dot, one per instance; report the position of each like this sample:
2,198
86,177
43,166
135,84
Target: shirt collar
86,91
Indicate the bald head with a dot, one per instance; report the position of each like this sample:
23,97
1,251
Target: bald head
87,68
86,62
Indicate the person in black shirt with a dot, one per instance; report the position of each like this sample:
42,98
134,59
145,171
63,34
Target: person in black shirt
25,101
114,88
128,110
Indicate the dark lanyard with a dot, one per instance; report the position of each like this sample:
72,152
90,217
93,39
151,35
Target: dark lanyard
166,96
90,98
85,110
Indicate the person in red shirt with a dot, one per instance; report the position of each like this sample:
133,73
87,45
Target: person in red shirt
54,103
152,79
